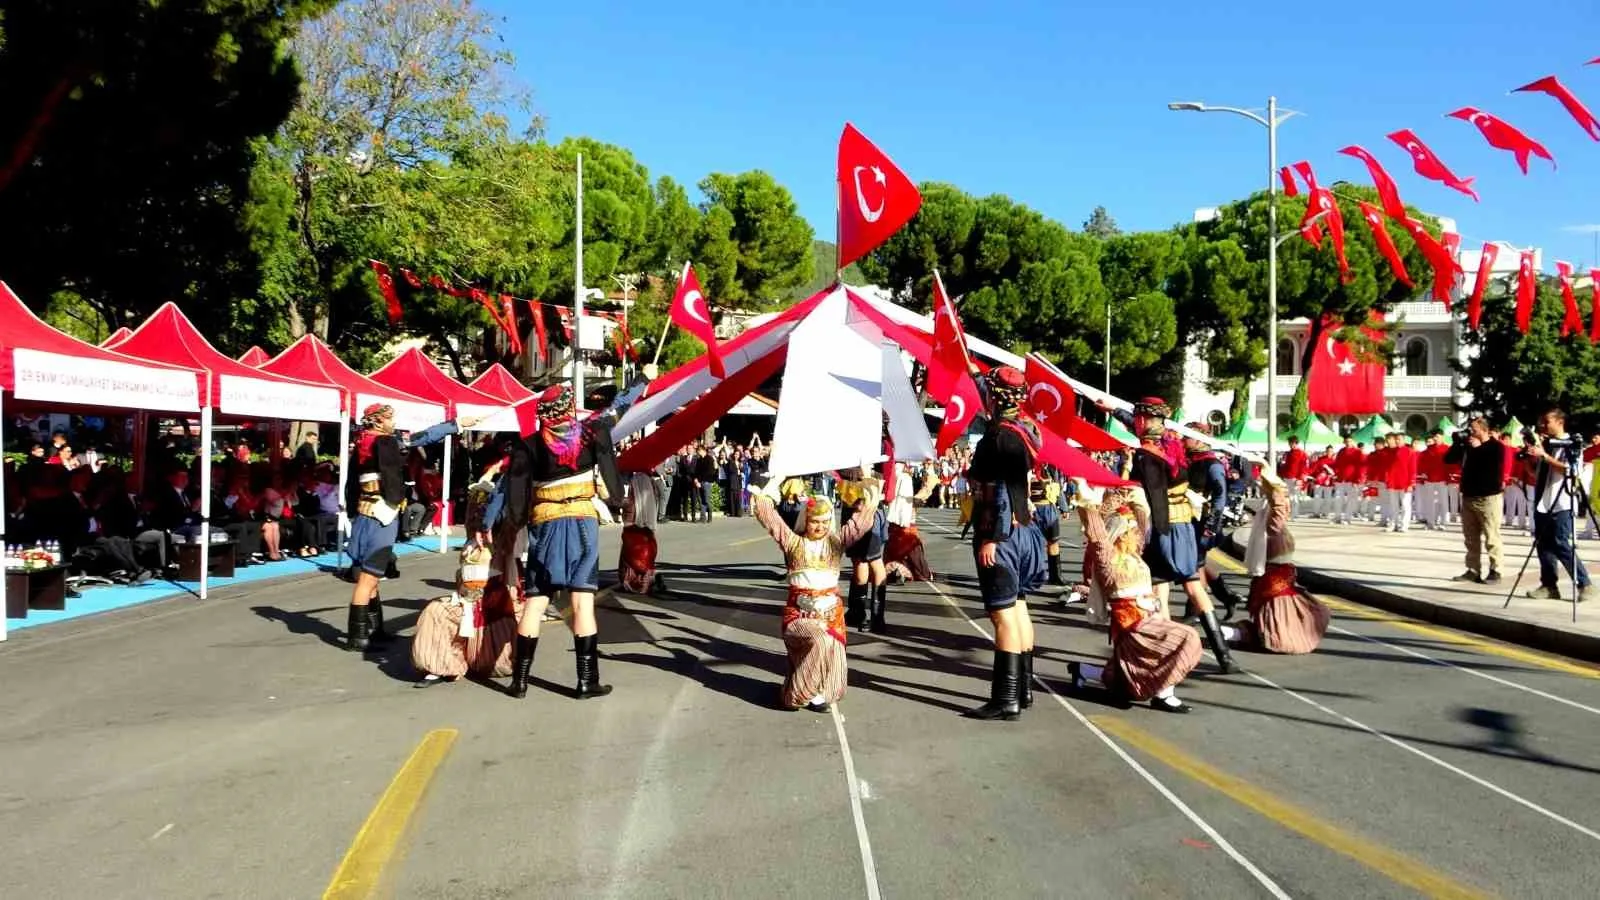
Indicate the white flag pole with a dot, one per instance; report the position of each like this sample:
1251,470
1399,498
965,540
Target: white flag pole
577,290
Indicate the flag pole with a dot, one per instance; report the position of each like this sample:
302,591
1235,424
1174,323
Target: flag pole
838,228
577,290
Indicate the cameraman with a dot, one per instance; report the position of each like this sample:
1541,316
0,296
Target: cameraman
1553,507
1482,462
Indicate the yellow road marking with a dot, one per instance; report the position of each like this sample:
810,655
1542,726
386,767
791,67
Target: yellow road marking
378,840
1505,651
1390,863
754,540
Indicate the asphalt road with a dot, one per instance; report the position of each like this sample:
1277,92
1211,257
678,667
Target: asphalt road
226,748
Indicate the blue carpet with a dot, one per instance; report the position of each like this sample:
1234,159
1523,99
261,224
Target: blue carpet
103,599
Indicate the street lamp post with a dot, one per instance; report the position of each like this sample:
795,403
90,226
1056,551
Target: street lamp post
1270,121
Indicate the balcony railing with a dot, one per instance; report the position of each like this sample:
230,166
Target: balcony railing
1393,385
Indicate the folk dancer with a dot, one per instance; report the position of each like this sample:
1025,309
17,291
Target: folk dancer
869,578
813,619
381,486
904,555
571,466
1173,551
1150,654
1044,495
1283,618
1007,546
1209,478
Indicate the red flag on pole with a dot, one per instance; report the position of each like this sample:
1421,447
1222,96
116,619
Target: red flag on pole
1486,260
958,414
1340,384
1574,319
875,197
1503,135
1387,192
1527,291
691,313
1575,108
1428,164
950,361
1051,401
1380,236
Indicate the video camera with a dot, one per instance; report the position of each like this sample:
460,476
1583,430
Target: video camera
1565,448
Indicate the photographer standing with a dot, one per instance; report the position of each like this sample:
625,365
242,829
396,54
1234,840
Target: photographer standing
1482,462
1556,499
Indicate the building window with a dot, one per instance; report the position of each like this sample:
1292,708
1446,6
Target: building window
1348,425
1416,356
1416,423
1288,357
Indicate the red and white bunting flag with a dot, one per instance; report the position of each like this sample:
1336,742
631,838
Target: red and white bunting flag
565,312
508,313
1051,401
1428,164
875,196
540,333
1527,291
1573,321
1440,259
1594,306
1503,135
691,313
1290,189
1380,236
391,295
1491,252
1552,85
1387,191
1311,229
950,361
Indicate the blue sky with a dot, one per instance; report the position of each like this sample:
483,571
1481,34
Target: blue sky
1062,105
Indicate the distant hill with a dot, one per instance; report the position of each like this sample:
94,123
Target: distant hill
823,254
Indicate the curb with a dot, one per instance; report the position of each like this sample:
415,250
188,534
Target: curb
1511,631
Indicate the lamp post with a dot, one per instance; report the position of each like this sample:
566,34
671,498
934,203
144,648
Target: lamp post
1108,342
1270,121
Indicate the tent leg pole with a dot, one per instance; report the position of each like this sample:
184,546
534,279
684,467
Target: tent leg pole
204,458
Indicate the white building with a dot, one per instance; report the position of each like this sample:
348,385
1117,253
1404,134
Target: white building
1421,387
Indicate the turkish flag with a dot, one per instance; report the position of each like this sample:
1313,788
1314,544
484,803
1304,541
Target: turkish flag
1311,231
691,313
1503,135
1574,319
950,362
1380,236
527,413
1451,241
1387,192
1339,383
875,197
1575,108
958,414
391,296
1428,164
564,313
1322,202
508,308
1491,252
1527,291
539,329
1594,306
1290,189
1441,259
1051,401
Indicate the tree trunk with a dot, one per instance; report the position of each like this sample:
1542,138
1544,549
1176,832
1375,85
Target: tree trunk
1240,408
453,355
1300,406
28,143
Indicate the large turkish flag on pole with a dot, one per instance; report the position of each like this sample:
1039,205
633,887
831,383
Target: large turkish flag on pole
690,312
950,361
1051,401
875,197
1341,384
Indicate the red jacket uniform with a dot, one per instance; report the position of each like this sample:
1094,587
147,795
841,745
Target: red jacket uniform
1401,472
1349,464
1293,465
1431,464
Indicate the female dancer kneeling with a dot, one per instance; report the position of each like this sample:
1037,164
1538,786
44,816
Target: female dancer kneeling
1283,618
813,618
1150,653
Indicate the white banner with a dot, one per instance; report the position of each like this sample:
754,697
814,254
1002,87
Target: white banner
243,396
102,382
409,415
830,415
499,418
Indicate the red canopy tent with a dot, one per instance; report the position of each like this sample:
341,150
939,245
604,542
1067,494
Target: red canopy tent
117,337
254,357
40,364
233,388
414,373
312,360
497,382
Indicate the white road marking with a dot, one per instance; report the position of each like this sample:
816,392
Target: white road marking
1222,843
869,869
164,829
1484,675
1483,783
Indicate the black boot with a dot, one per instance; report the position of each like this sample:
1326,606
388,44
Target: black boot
376,635
855,608
588,667
357,629
880,602
1054,563
1225,596
1208,622
1025,690
522,665
1004,686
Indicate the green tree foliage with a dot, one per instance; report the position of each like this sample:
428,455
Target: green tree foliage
771,243
824,257
1100,224
128,130
1512,374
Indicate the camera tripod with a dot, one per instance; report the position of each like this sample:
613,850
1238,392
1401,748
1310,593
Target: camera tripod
1579,502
